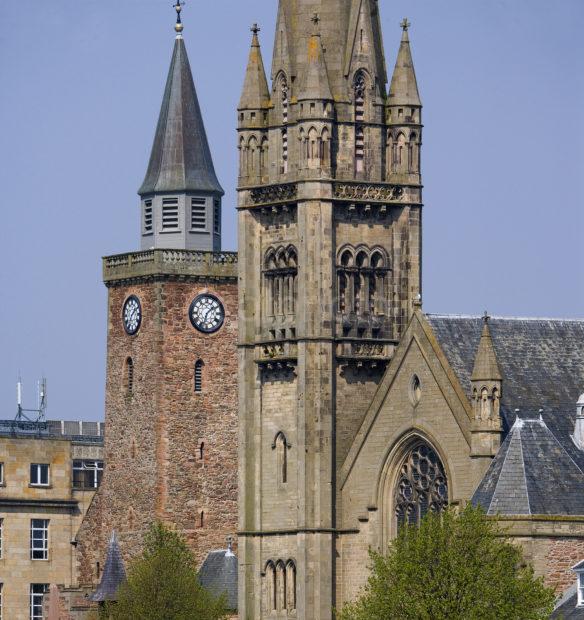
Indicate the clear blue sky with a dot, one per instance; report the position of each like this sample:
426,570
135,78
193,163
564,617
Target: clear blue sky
502,82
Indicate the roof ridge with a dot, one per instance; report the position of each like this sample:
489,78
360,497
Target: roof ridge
523,467
501,317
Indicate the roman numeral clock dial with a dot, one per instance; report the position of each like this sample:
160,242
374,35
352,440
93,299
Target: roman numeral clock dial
207,313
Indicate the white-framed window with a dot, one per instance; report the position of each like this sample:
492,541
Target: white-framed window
39,539
39,474
198,214
87,474
148,217
580,588
217,216
37,591
170,214
1,474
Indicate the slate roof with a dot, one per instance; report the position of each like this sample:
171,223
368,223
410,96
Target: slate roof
181,158
114,573
538,470
219,575
566,608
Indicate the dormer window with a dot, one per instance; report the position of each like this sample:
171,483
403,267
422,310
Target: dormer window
170,214
581,589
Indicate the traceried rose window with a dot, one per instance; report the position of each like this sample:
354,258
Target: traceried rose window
421,486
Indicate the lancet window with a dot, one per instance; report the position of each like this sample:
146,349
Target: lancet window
280,586
280,279
359,100
421,485
362,280
281,447
403,154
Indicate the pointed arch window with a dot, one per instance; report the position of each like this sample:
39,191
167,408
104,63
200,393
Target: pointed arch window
198,376
281,447
421,485
270,576
280,281
280,586
413,153
291,586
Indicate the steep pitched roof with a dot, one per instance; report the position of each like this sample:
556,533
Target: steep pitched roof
181,158
255,93
218,574
315,82
542,366
531,474
404,86
114,573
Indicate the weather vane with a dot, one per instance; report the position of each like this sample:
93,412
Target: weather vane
405,24
255,28
178,8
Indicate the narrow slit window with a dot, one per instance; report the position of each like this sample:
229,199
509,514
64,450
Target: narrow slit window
202,518
1,474
198,214
129,376
202,451
147,217
199,376
170,214
217,217
1,588
1,541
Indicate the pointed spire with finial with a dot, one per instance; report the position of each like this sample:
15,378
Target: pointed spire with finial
404,86
178,27
315,84
180,159
486,367
255,94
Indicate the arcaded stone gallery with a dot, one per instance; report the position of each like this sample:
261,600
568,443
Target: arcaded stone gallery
290,406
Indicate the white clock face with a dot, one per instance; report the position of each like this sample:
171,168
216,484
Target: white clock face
132,315
207,313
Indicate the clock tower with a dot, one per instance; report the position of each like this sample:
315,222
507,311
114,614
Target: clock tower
171,392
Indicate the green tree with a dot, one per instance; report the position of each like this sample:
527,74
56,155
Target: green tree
451,567
162,584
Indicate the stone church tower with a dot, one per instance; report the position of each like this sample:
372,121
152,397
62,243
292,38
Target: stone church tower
171,385
329,265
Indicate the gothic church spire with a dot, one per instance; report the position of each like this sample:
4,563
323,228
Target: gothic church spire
404,86
255,94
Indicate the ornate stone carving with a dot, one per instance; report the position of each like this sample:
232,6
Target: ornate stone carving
366,348
273,350
273,193
363,191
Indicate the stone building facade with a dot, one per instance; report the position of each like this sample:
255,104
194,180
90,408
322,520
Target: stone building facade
49,473
359,412
171,384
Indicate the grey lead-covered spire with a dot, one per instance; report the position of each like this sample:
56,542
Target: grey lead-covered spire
114,573
181,159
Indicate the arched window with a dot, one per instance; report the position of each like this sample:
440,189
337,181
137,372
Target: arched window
242,157
199,376
325,150
281,447
421,485
400,157
270,586
264,156
313,148
280,281
290,586
253,156
280,586
129,376
413,153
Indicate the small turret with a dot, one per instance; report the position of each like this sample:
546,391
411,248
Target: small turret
404,117
486,384
315,82
114,573
253,118
181,196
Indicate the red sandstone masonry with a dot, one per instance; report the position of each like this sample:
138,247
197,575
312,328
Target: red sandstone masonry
153,438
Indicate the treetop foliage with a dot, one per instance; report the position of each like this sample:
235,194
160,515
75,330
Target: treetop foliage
452,567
